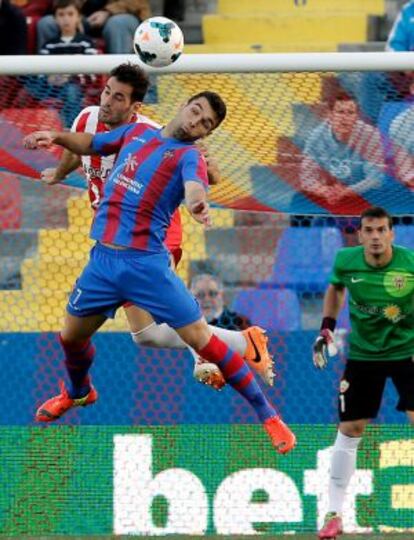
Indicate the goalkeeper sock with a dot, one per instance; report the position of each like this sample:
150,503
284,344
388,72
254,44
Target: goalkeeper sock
237,373
78,360
343,464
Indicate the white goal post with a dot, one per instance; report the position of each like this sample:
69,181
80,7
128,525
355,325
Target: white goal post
218,63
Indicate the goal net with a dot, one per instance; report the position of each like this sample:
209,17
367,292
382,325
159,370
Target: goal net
302,152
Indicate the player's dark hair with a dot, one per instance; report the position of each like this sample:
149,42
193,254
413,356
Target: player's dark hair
134,76
61,4
340,96
215,102
375,212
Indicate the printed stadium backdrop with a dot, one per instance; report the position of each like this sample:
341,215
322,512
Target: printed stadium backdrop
160,453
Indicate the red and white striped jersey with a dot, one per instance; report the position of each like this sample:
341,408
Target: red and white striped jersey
97,169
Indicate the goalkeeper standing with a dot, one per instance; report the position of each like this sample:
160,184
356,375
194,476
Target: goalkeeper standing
379,277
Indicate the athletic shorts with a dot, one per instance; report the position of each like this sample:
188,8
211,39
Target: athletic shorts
113,276
176,255
362,386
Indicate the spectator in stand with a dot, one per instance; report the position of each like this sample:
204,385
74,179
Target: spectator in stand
33,10
114,20
209,292
67,89
70,40
401,37
13,30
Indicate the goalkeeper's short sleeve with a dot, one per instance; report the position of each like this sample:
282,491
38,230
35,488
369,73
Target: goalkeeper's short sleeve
336,274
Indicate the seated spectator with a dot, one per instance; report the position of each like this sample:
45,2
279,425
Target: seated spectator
69,40
209,292
33,10
115,20
67,89
13,30
401,37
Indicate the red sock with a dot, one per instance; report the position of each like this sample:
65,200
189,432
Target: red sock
78,360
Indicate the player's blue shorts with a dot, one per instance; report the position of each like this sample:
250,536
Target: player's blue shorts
114,276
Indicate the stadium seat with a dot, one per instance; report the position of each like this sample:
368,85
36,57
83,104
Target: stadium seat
404,235
273,309
32,34
304,258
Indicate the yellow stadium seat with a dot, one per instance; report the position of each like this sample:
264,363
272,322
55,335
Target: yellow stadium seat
245,7
80,213
230,48
284,29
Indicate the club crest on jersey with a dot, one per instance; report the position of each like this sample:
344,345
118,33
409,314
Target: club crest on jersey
168,154
343,386
398,283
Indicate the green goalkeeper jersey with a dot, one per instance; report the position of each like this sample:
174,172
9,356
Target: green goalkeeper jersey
381,303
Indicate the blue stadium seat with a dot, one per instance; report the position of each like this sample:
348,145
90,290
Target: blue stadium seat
404,235
304,258
273,309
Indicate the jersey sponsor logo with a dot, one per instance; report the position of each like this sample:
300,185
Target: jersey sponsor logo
129,165
96,172
393,313
370,310
356,280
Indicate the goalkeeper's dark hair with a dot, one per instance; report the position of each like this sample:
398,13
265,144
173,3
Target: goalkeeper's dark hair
134,76
376,212
216,103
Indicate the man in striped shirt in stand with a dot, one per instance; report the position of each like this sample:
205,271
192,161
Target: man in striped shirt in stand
154,172
120,103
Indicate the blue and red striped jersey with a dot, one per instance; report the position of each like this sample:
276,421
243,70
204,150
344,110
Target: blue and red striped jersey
145,186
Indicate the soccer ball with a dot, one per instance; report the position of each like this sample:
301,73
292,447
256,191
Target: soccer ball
158,41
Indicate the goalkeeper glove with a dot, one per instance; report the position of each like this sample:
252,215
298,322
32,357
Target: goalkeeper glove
324,345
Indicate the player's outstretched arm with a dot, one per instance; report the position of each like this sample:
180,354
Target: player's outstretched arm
324,344
196,202
54,175
78,143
